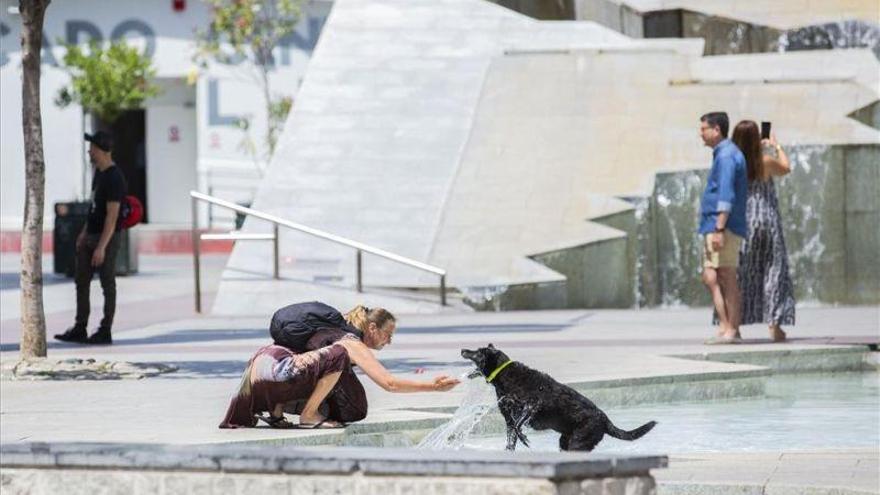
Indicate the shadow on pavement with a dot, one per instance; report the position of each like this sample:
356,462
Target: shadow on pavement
500,328
206,369
11,280
215,335
409,365
176,337
233,368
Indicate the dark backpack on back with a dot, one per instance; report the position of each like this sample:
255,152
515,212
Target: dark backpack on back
292,326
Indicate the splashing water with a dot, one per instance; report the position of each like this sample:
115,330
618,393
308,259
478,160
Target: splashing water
479,400
484,298
802,198
677,201
845,34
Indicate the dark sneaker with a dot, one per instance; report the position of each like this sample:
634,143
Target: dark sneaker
101,337
74,334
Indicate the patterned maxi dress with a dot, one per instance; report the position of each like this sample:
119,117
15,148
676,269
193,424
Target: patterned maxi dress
764,280
277,375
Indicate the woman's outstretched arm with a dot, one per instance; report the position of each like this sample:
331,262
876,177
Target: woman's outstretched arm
362,356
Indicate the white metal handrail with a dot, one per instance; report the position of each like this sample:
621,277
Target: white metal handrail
359,247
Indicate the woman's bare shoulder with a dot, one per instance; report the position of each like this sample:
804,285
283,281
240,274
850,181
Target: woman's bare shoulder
351,342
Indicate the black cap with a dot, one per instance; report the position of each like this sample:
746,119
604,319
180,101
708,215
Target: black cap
101,139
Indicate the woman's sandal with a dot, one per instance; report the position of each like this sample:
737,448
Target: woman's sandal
324,424
280,422
723,340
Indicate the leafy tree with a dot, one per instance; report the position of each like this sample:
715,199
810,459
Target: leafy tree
106,82
33,317
250,30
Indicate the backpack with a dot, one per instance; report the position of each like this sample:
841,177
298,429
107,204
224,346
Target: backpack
292,326
131,212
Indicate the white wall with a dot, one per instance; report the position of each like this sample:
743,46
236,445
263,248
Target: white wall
171,153
62,144
236,93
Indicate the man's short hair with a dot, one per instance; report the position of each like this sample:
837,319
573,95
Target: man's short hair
717,119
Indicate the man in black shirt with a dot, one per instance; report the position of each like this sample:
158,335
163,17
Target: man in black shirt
98,243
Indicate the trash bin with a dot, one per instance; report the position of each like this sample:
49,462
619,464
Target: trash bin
70,218
127,257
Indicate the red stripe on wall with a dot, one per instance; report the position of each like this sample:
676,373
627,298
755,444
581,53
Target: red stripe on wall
149,242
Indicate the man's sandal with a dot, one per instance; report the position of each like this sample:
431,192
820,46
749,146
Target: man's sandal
280,422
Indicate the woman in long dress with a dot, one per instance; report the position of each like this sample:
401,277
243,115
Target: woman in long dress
763,274
279,379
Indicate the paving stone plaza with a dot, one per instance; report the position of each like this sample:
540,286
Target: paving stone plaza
160,432
545,155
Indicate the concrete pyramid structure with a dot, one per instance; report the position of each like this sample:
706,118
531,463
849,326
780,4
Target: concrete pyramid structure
465,135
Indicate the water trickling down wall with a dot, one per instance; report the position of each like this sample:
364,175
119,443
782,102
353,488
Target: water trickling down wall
830,209
829,206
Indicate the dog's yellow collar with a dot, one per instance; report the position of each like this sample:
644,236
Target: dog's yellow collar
497,370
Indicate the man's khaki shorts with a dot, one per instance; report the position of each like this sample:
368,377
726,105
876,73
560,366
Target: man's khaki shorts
728,256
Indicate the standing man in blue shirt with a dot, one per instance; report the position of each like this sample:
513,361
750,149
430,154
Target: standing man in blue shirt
723,224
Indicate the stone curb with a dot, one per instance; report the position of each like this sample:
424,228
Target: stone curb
377,461
838,358
685,488
42,369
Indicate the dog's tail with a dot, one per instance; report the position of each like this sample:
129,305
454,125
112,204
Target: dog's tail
631,434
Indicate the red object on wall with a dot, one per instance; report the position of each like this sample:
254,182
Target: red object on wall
178,5
149,242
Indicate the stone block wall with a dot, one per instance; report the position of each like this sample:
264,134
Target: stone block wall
830,210
726,36
545,10
546,295
608,13
599,274
862,216
125,482
135,469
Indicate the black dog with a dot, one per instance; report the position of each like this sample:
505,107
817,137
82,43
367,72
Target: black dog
529,397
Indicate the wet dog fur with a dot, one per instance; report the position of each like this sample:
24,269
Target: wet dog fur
528,397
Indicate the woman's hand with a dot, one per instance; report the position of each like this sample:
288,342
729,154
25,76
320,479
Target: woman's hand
444,383
776,165
772,142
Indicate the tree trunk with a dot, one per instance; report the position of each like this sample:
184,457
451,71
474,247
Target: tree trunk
33,320
267,98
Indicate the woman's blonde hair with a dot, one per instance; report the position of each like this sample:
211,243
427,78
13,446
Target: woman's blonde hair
361,316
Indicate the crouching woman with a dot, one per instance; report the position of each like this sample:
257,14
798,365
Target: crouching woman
319,384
